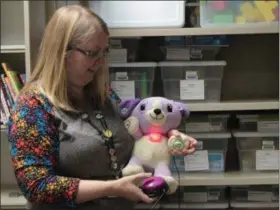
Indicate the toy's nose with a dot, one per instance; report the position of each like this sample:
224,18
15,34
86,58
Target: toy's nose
157,111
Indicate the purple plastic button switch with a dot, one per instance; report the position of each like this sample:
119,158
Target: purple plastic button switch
154,186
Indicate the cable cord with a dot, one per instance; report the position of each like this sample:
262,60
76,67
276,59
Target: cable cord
179,188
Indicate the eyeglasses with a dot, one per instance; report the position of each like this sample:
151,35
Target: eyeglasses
90,53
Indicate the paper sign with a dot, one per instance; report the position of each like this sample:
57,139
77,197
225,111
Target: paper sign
198,161
124,89
192,89
267,159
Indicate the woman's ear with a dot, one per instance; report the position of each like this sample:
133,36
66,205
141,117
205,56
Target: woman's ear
127,106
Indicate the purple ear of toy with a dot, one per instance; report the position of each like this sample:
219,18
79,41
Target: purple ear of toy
127,106
185,112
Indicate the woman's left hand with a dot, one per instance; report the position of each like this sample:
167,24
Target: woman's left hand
190,149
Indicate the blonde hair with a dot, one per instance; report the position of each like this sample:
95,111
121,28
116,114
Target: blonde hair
72,25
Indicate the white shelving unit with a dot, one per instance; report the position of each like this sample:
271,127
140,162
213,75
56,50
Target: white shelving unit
22,25
267,28
20,31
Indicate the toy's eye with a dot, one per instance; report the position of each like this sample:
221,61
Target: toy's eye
169,108
142,107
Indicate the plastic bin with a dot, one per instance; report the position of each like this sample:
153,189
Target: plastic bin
125,48
228,13
257,193
201,123
204,194
208,157
194,81
191,53
192,195
117,56
254,206
259,122
132,80
139,14
258,151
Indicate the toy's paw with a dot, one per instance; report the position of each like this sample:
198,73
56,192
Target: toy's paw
132,125
132,169
178,143
172,184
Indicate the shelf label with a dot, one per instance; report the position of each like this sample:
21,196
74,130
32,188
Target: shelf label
121,76
116,43
124,89
198,161
191,75
213,196
267,159
195,197
192,89
259,196
267,144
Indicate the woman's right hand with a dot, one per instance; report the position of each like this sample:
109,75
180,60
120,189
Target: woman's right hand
128,187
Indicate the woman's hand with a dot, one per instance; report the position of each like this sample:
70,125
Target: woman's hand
189,149
128,187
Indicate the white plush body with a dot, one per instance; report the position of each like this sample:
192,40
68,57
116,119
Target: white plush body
152,153
155,155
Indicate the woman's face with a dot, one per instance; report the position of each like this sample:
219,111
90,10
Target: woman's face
84,60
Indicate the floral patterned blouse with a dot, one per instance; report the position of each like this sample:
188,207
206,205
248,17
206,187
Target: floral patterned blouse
40,157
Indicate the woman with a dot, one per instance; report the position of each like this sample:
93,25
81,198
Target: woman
57,146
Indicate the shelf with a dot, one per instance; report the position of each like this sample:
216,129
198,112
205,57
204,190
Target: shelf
234,106
228,179
12,49
184,206
225,106
260,28
254,205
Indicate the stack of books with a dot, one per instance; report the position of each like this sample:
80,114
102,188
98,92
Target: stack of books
11,82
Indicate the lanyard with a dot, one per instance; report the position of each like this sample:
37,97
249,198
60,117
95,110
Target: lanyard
107,137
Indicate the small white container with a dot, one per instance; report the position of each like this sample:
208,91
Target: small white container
206,123
254,206
132,80
195,81
258,151
257,193
258,122
140,14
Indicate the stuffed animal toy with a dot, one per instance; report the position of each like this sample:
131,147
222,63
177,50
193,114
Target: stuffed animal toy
150,122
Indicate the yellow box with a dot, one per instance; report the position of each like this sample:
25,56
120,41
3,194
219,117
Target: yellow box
265,10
